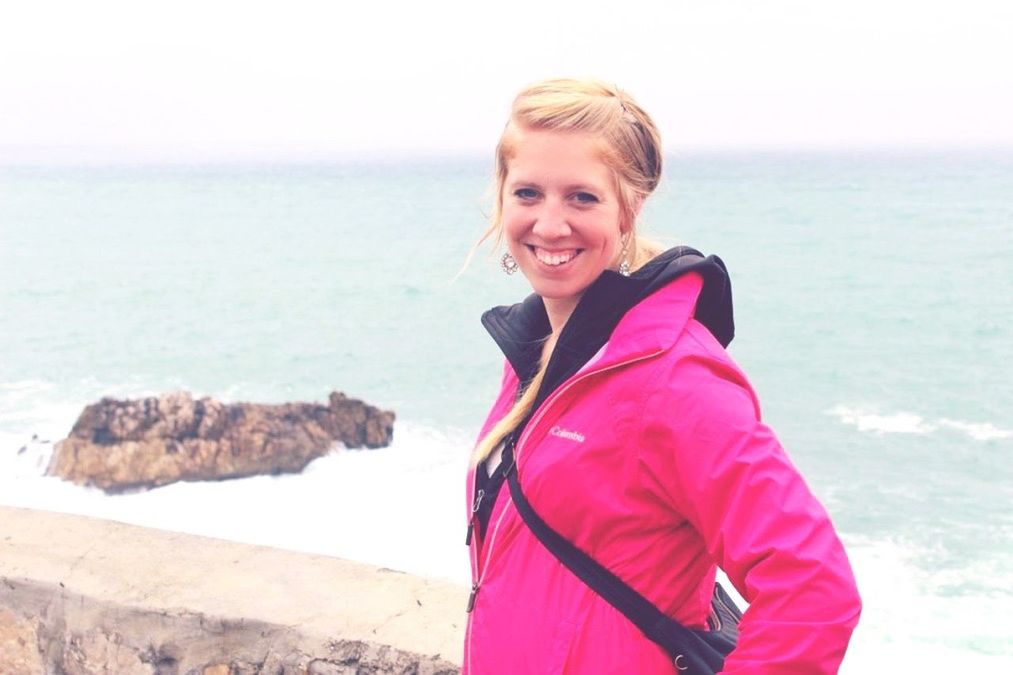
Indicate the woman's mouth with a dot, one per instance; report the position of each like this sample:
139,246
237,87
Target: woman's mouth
554,258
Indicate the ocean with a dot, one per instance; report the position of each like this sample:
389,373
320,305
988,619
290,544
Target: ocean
873,310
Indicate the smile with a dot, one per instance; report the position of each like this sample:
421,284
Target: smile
554,258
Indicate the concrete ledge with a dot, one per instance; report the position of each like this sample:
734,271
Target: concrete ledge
81,596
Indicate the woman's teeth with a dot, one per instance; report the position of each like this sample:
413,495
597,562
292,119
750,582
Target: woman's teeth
553,259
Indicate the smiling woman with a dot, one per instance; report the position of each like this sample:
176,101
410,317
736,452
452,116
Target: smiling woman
631,443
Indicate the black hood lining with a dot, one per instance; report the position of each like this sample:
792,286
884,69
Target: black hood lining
520,330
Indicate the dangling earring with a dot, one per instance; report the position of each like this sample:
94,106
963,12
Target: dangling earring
508,263
624,263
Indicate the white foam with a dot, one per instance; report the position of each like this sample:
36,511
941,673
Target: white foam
21,387
895,423
980,432
20,458
865,419
400,507
909,626
32,419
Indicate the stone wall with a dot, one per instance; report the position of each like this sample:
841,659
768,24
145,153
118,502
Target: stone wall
83,596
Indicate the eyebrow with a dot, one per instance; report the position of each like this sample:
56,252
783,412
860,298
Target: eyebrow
575,187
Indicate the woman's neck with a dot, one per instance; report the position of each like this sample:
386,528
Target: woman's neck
559,311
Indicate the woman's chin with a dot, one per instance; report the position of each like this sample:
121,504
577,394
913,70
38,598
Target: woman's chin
559,293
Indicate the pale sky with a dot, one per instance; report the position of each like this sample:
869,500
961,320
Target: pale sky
233,80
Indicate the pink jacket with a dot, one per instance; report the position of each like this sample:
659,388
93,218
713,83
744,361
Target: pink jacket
653,459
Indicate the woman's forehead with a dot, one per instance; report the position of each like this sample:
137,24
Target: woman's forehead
550,155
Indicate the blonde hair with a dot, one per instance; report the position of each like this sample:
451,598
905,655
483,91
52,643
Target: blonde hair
631,149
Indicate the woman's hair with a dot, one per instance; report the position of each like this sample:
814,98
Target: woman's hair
631,148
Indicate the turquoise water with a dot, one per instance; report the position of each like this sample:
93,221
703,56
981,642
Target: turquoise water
873,306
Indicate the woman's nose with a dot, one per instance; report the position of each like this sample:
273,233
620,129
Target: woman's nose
551,222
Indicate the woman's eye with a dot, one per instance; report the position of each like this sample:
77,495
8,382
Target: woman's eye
525,193
585,198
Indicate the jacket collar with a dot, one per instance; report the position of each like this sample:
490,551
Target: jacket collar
604,312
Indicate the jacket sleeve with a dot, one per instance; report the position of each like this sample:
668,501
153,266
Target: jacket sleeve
760,522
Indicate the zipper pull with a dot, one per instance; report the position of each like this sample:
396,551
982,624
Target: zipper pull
474,512
471,598
508,453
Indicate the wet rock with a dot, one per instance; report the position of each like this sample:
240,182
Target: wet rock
126,444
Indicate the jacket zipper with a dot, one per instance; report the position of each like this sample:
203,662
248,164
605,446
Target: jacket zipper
528,430
474,514
478,584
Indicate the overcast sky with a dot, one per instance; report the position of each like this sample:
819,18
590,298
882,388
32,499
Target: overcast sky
257,79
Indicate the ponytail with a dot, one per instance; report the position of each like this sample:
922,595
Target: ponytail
519,410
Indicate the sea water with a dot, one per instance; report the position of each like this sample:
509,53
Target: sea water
873,311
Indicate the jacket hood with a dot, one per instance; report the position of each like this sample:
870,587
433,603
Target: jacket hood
520,329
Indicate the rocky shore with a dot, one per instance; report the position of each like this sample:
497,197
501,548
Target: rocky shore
120,445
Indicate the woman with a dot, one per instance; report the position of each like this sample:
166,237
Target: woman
633,433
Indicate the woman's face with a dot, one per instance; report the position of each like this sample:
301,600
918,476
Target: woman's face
561,215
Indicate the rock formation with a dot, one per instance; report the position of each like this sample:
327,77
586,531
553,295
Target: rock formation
118,445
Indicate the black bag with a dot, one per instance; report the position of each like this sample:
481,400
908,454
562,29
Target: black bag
698,652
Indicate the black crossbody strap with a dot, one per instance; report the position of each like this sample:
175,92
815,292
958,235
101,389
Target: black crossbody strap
682,643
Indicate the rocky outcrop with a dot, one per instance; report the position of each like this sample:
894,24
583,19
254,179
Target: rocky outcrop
81,596
118,445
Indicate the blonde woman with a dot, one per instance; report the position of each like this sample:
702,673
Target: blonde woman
627,430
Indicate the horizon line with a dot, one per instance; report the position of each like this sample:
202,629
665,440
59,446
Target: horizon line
12,156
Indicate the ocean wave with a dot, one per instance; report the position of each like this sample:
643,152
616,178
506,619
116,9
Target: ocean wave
980,432
872,421
912,623
33,416
21,395
21,457
26,386
400,507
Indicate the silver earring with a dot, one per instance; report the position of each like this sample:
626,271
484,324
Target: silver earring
508,263
624,264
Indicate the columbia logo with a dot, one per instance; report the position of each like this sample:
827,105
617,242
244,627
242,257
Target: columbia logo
567,434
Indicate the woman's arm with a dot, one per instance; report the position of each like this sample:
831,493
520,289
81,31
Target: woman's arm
761,523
